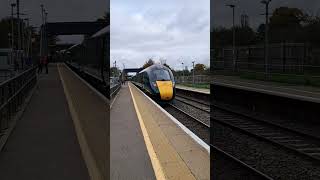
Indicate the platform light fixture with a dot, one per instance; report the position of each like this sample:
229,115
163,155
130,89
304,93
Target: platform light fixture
233,36
182,72
193,72
266,40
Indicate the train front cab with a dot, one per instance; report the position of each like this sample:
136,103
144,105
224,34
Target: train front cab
162,84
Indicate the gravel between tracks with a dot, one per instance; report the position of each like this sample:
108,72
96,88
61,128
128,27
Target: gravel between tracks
269,159
200,115
201,131
304,127
225,167
263,156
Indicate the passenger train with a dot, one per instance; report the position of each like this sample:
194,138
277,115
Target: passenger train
157,81
91,59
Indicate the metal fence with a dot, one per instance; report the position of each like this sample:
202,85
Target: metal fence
198,79
290,58
114,89
295,63
13,93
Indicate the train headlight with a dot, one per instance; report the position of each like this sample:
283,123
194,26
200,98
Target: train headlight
154,84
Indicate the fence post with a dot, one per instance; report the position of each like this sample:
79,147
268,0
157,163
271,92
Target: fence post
304,55
223,59
248,57
283,57
236,58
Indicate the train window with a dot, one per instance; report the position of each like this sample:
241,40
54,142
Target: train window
145,77
160,74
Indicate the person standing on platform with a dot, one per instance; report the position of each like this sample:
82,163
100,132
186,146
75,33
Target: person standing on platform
45,63
29,61
16,65
40,65
122,79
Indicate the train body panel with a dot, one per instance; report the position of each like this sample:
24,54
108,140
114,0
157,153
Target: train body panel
165,89
92,57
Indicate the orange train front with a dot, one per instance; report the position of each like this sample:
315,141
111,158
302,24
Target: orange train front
157,81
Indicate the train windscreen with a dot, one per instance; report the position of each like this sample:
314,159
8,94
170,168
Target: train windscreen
161,75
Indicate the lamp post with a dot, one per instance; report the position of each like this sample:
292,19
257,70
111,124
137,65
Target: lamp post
23,33
22,42
45,34
27,41
233,37
19,25
182,73
193,73
12,25
266,40
41,32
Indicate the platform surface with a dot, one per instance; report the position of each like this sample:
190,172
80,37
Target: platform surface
129,158
308,92
44,144
174,153
90,114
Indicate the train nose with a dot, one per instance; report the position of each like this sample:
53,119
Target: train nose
165,89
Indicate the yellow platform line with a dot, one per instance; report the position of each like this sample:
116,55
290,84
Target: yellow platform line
166,162
153,156
91,165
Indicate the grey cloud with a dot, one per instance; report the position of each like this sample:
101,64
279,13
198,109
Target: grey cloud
174,30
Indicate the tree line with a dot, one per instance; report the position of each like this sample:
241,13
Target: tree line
286,25
199,69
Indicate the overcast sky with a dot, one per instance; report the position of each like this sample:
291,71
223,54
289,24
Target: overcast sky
59,10
177,31
221,15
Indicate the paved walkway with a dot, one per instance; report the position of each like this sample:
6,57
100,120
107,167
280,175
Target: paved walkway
44,144
295,90
128,152
176,153
202,90
90,113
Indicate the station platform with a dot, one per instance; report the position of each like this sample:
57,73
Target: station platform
307,93
128,153
53,139
201,90
147,144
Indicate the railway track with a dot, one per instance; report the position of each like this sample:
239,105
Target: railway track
193,95
201,129
290,142
296,142
234,169
92,79
202,106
